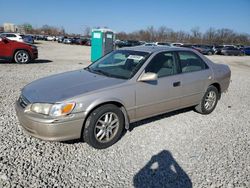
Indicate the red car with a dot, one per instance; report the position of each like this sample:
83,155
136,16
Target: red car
18,51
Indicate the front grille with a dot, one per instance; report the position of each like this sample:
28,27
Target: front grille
23,101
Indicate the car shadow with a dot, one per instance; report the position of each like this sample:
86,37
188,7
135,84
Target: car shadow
162,171
140,123
159,117
41,61
37,61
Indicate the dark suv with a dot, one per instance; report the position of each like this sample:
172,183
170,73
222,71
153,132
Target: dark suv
17,51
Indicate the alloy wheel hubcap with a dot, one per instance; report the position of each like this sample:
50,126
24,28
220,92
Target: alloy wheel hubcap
210,100
22,57
106,127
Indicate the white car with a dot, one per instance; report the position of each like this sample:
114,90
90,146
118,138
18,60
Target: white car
67,41
12,36
50,38
162,44
176,44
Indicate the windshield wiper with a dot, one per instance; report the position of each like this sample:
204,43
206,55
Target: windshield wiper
102,72
87,68
97,71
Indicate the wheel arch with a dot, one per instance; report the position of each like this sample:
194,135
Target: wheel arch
96,105
26,50
218,87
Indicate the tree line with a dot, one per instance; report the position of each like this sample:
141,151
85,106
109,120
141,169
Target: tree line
162,34
44,30
195,36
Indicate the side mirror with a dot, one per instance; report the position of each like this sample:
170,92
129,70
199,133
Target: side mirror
148,76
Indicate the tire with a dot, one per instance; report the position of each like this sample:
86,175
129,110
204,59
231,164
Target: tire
22,56
99,126
206,107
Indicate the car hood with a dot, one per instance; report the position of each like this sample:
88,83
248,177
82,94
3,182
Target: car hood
66,85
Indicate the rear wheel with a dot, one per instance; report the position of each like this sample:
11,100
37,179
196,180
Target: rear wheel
209,101
104,126
21,56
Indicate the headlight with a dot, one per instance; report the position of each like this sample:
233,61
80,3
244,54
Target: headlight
61,109
41,108
53,110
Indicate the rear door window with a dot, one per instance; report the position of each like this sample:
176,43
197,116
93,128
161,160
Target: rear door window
190,62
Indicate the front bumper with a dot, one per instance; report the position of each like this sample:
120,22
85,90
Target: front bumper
34,54
52,130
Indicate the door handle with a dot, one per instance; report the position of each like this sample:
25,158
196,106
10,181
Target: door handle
176,84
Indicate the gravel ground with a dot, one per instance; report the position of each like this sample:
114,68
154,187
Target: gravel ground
178,149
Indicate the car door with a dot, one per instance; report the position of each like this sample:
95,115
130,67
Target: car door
1,48
162,95
4,49
195,78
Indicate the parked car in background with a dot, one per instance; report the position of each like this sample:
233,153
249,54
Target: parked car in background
176,44
50,38
75,40
40,37
217,49
129,43
12,36
246,50
20,52
239,46
187,46
162,44
231,51
99,102
67,41
60,39
119,43
78,41
204,49
88,42
82,41
149,44
28,39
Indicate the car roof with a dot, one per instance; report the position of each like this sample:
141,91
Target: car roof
153,49
10,33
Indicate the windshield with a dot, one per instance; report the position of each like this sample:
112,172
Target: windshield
119,64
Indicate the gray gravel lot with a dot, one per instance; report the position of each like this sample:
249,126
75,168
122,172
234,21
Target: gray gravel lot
179,149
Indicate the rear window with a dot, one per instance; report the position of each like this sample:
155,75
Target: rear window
190,62
10,35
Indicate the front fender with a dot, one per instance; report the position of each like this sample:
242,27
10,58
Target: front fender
100,102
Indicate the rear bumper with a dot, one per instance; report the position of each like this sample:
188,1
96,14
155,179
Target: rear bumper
52,130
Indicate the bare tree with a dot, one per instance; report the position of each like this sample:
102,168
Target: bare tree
87,31
162,34
209,36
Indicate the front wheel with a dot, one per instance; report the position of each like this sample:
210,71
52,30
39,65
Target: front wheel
209,101
21,56
104,126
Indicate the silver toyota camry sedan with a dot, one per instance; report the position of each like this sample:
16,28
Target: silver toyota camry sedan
97,103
